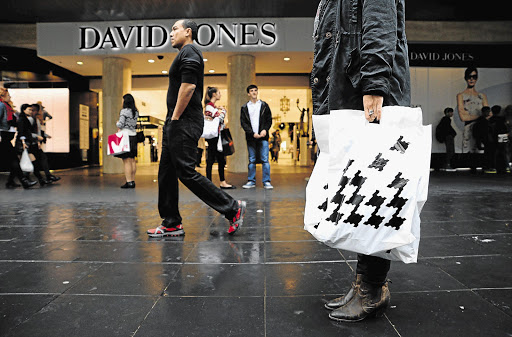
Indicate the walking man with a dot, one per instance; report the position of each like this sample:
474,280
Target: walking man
361,63
256,120
182,130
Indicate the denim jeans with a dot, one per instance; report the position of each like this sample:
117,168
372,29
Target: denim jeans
259,147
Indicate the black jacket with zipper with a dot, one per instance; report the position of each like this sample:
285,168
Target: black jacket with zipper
360,49
265,121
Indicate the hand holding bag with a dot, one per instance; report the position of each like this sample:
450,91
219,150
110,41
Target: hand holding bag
211,127
370,182
25,162
118,143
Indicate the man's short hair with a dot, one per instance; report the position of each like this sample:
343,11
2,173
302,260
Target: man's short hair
448,110
187,23
36,107
486,111
252,86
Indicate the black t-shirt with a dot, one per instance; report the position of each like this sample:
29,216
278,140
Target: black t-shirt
187,67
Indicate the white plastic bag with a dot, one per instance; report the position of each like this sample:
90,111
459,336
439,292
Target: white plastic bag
370,182
25,162
118,143
211,127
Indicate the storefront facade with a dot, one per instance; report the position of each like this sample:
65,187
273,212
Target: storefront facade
117,57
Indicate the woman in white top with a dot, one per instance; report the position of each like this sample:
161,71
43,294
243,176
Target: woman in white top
127,124
210,110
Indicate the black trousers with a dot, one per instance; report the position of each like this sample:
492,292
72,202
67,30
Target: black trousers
8,154
450,149
212,155
374,270
178,161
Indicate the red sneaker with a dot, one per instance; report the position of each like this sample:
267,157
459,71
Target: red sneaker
238,220
162,231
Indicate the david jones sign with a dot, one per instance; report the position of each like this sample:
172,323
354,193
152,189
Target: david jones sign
157,36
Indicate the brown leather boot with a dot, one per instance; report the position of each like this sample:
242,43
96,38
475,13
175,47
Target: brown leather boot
368,301
342,300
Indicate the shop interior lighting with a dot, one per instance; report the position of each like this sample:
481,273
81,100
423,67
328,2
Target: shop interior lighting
79,63
211,71
204,60
151,61
164,71
286,59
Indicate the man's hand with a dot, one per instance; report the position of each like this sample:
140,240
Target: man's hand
257,136
263,133
374,104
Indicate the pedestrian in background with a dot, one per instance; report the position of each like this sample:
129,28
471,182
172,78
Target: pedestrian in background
361,63
501,129
445,133
212,96
7,151
256,120
127,124
182,129
486,138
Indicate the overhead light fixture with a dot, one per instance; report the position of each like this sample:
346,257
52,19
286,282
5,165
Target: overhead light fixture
211,71
286,59
151,61
164,71
79,63
204,60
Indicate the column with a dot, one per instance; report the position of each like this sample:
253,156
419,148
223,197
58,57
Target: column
241,73
116,81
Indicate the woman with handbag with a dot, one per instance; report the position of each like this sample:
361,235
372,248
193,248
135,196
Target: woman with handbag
213,94
7,122
127,124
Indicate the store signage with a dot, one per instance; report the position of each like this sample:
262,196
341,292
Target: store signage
156,36
459,55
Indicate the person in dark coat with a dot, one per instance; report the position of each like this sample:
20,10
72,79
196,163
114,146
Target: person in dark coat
501,129
445,133
361,62
486,138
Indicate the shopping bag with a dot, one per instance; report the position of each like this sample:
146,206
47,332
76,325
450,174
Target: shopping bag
370,182
211,127
140,133
25,162
118,143
228,146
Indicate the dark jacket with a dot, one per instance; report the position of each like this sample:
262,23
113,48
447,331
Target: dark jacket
265,121
25,130
360,48
444,128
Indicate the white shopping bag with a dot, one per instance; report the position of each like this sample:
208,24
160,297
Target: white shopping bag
25,162
210,127
118,143
368,188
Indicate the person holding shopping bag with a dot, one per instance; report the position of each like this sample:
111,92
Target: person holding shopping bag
213,95
361,63
127,124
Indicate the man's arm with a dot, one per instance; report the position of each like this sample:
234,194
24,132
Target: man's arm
184,95
267,121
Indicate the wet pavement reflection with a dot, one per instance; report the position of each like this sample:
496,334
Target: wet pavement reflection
75,260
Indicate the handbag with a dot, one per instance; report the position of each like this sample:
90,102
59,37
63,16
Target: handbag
25,162
140,134
210,127
118,143
228,146
365,195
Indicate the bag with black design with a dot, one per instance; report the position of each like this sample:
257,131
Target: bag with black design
228,146
370,182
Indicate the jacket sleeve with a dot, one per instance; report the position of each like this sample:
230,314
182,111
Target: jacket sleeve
267,118
245,121
122,120
378,45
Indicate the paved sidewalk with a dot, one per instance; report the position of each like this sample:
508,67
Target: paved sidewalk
75,261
